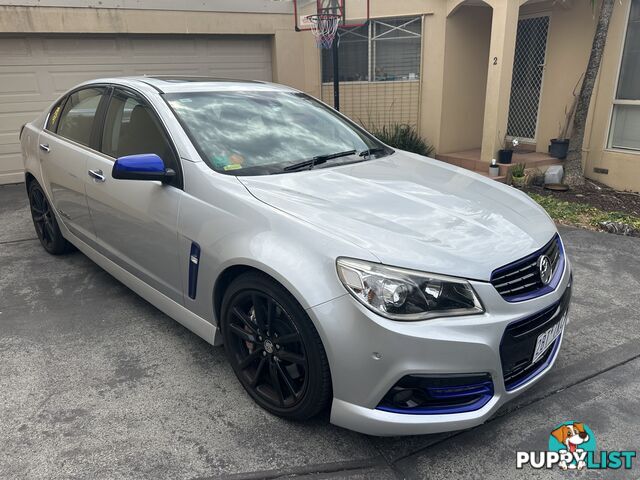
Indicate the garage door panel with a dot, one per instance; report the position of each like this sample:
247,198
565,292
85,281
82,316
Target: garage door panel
76,46
163,47
35,70
10,165
12,84
15,47
151,69
10,125
63,80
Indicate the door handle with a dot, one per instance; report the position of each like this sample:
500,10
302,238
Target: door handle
97,175
45,147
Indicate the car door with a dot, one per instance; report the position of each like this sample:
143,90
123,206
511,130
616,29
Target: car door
136,220
64,146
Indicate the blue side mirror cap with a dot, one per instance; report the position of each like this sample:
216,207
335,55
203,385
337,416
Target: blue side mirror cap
144,166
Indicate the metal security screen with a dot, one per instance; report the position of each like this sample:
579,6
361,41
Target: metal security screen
379,72
528,68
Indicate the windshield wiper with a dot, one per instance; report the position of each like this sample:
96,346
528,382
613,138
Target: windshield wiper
372,151
318,159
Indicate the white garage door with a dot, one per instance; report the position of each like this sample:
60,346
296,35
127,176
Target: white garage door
34,70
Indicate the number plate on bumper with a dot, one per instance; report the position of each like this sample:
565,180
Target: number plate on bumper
546,339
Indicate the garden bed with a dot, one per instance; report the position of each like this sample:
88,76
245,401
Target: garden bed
593,206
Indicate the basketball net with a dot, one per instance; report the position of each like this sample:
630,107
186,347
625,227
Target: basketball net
324,27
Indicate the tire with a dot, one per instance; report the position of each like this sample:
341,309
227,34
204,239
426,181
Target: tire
277,353
45,223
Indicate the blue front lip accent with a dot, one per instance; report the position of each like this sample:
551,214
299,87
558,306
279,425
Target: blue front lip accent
484,389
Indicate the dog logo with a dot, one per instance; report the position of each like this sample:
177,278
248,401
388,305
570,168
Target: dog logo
544,266
576,439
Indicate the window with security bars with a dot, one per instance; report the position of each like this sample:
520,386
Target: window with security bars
383,50
625,123
379,71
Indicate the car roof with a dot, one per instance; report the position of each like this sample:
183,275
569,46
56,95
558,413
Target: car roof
190,83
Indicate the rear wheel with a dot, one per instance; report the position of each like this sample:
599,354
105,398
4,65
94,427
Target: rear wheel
274,348
45,223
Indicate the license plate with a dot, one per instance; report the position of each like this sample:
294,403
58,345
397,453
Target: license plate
546,339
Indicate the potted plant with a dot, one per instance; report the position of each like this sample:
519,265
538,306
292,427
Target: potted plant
506,153
559,147
518,177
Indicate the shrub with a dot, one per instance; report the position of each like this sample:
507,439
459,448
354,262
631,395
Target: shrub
404,137
518,170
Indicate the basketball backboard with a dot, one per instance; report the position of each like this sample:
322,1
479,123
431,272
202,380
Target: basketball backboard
353,14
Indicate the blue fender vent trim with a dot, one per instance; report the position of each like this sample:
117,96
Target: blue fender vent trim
194,263
437,395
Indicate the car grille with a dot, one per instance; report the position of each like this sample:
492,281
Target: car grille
519,342
520,280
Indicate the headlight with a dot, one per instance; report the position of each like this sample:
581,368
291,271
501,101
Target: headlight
407,295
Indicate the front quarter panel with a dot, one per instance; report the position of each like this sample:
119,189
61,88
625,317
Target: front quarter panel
234,228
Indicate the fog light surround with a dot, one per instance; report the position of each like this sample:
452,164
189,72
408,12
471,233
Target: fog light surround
437,395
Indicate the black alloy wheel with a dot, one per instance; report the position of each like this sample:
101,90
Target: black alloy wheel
45,222
274,349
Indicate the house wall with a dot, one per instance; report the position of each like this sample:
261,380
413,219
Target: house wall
378,103
426,111
452,86
468,32
568,46
623,166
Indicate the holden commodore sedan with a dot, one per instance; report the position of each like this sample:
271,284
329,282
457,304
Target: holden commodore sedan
408,295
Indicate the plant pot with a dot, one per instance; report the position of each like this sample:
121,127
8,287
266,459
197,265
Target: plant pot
559,148
519,181
504,156
494,171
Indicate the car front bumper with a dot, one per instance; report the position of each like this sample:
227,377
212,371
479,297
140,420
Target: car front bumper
369,354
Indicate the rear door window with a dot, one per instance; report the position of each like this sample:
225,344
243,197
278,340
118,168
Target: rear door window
78,115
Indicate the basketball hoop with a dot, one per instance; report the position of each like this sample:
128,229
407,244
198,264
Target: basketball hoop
324,27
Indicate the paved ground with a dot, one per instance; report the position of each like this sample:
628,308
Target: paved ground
97,383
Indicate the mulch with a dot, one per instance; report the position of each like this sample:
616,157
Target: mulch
596,195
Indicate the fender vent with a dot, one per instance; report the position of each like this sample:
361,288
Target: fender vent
194,263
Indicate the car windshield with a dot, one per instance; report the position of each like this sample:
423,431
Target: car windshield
264,132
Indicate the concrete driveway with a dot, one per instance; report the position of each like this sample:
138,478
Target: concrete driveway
97,383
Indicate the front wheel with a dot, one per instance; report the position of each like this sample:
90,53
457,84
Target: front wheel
45,223
274,349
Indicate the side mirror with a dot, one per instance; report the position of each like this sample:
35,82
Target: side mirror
144,166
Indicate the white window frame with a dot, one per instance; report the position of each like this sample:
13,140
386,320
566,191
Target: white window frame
373,37
615,101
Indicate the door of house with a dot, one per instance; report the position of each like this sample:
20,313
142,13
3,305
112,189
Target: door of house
528,70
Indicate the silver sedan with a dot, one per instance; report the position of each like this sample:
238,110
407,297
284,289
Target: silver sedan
407,295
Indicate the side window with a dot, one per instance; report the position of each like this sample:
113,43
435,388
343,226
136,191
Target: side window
131,127
76,119
54,116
